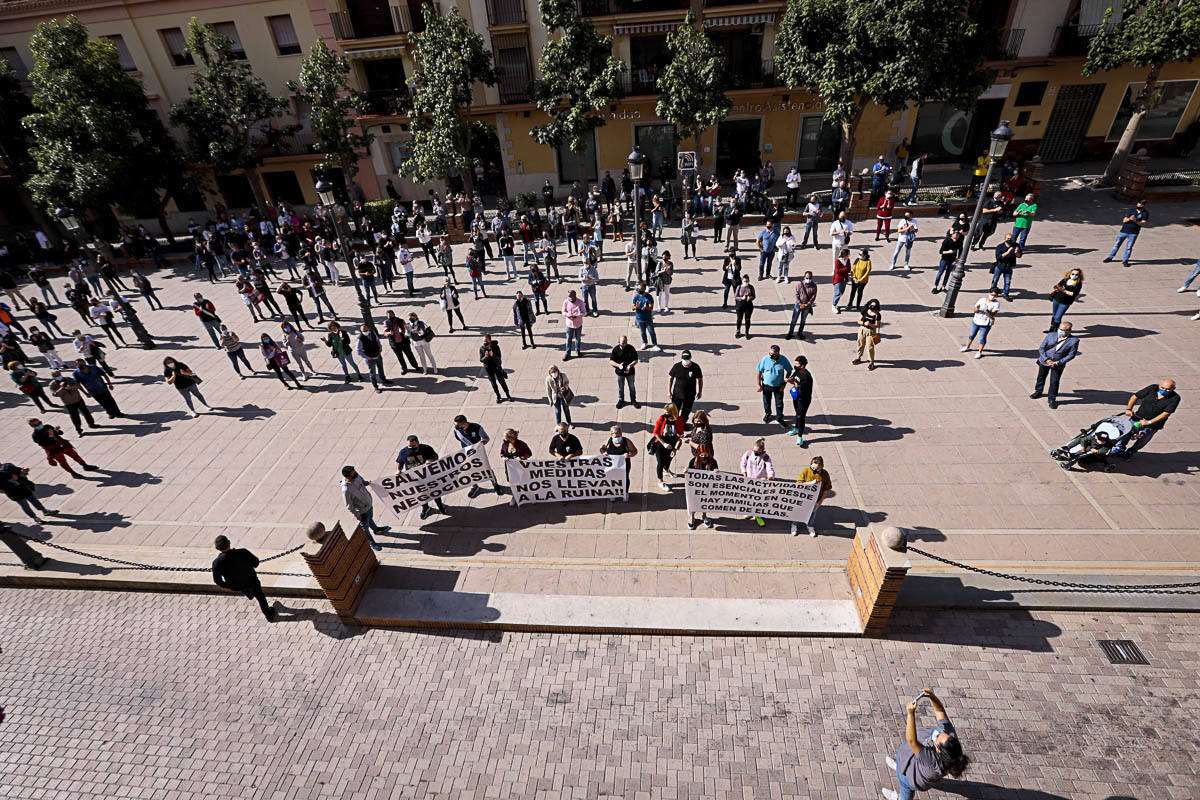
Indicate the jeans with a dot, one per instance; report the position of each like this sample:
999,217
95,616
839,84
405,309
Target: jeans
785,261
907,792
369,526
764,263
408,278
26,502
913,194
945,267
1141,441
981,331
900,243
375,368
477,285
838,288
48,292
561,409
801,314
234,356
647,327
1004,272
1055,374
1058,310
1020,235
776,392
321,298
574,335
1129,239
188,392
624,380
510,267
211,327
368,288
656,224
590,306
810,227
349,359
1195,274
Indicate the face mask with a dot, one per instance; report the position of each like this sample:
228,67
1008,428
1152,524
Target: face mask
1062,334
1163,392
618,439
808,280
685,361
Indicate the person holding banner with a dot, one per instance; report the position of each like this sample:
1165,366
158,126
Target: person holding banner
467,434
617,444
359,503
703,460
815,471
666,439
512,446
565,446
559,394
413,456
756,463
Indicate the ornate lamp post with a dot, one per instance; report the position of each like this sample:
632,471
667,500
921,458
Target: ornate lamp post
999,143
325,193
637,163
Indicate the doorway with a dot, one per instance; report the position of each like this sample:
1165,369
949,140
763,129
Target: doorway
487,161
819,145
984,120
657,144
1069,121
738,147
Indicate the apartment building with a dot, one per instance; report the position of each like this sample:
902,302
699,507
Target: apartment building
1055,112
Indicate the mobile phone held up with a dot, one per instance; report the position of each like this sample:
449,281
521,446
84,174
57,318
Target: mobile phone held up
917,699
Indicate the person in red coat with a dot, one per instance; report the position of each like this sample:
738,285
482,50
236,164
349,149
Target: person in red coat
883,216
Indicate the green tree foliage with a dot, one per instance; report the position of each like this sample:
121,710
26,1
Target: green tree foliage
579,77
14,144
450,59
888,52
96,140
1151,34
691,86
334,109
229,115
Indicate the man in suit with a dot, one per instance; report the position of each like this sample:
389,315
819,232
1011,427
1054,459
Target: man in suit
234,570
1056,350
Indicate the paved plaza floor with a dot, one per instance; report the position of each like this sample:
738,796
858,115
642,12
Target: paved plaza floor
179,697
933,440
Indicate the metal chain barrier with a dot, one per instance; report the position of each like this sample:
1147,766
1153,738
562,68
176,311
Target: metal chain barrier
1166,588
154,567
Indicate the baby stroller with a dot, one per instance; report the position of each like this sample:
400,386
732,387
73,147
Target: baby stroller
1110,436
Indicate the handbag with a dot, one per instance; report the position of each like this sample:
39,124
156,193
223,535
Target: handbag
543,286
567,395
876,339
442,303
428,337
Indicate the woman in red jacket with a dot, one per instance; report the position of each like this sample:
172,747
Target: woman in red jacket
841,276
667,438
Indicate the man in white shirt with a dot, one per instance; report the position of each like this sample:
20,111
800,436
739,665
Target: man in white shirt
839,175
907,235
631,272
405,260
793,188
840,232
812,216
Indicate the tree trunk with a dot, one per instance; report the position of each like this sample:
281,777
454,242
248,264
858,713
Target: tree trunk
162,223
849,129
1129,137
468,174
256,188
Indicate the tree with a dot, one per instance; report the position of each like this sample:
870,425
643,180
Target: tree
691,86
1151,34
580,77
96,141
334,108
887,52
450,59
229,114
14,145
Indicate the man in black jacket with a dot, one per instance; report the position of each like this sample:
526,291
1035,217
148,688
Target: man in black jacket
523,318
234,570
492,360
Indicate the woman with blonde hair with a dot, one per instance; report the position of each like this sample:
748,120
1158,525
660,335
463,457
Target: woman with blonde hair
666,439
1064,293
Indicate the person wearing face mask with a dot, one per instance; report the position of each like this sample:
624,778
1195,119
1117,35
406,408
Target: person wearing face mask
1056,350
1131,225
772,373
814,472
685,383
806,298
800,387
986,310
421,335
559,394
704,461
618,444
276,359
868,332
756,463
928,754
177,374
665,440
1065,293
1158,403
743,306
370,348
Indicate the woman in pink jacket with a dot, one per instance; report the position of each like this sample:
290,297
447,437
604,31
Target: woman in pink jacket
756,463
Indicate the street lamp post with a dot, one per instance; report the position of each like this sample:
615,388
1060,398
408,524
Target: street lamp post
999,142
637,163
71,222
325,193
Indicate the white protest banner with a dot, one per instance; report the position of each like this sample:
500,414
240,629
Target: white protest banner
549,480
425,482
715,492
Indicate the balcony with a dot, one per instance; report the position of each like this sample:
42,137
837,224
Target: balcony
404,18
1009,46
385,102
639,81
513,84
1073,40
601,8
750,76
505,12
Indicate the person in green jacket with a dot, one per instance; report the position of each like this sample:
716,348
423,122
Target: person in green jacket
1023,219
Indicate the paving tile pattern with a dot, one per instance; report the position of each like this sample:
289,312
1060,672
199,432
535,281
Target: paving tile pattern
178,697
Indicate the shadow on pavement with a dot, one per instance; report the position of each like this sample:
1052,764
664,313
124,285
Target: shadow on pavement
323,622
976,789
1006,629
111,477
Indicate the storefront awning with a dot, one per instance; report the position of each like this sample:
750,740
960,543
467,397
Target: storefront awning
647,27
375,52
741,19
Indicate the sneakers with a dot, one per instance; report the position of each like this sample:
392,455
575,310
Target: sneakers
891,762
979,354
812,533
1181,289
693,524
473,492
658,349
664,486
890,794
794,431
964,348
800,441
795,529
708,523
1196,316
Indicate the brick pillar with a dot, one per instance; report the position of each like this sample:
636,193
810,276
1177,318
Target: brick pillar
1031,173
875,574
1131,183
343,567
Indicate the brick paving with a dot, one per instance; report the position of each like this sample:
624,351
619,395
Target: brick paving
172,697
933,440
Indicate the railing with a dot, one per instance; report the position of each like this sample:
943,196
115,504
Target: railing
600,8
1009,47
639,81
513,85
740,76
1074,40
505,12
385,102
405,18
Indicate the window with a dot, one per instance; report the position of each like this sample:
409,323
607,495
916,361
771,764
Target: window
13,58
1162,119
286,41
123,53
512,64
574,166
284,187
1030,93
941,131
229,31
1091,14
1022,118
176,44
